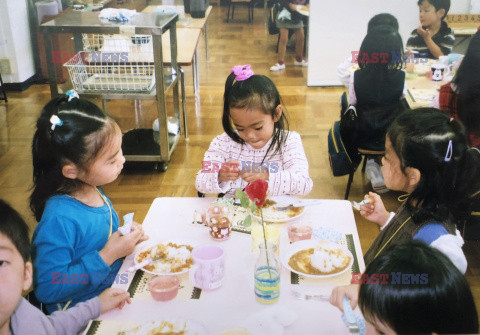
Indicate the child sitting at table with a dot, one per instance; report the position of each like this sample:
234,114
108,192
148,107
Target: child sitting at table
433,38
426,156
412,289
461,97
17,315
77,250
377,90
256,143
383,19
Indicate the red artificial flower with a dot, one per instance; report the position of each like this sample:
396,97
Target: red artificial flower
257,191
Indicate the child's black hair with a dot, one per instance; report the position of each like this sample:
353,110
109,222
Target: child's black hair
14,227
381,40
256,92
439,301
420,139
438,4
84,132
383,19
467,83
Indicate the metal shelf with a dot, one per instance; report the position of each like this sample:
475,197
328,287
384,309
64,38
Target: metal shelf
154,24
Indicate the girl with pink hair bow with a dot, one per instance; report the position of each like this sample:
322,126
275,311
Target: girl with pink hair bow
256,144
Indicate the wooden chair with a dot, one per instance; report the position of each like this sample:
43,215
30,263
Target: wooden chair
364,153
250,4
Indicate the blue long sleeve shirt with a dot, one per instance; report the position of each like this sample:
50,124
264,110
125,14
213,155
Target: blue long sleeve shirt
66,245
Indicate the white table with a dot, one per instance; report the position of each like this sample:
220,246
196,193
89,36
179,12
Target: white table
226,307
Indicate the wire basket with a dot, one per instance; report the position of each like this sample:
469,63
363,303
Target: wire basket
113,63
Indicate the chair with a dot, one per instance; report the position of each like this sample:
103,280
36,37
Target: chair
364,153
249,3
2,89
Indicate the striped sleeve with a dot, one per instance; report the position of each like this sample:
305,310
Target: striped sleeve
207,177
294,178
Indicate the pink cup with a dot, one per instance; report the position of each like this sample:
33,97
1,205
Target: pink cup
208,268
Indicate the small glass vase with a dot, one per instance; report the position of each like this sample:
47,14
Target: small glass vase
267,274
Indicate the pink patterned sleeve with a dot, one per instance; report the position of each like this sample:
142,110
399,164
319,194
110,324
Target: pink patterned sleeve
294,178
352,97
216,155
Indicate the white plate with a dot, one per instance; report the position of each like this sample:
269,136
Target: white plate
307,244
191,327
165,243
280,200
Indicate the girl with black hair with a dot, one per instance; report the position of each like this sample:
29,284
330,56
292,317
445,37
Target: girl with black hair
461,97
77,249
256,143
382,19
420,292
426,156
376,90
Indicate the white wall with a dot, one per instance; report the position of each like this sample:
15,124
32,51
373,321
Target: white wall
338,27
15,40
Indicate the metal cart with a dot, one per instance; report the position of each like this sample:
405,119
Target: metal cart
148,81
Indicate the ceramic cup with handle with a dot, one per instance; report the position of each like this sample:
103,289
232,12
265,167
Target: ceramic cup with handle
208,270
439,71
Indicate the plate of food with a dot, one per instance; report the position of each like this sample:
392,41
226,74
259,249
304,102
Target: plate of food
170,257
274,215
178,326
317,258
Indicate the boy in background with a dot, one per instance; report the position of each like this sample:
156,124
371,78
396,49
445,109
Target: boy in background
17,315
433,38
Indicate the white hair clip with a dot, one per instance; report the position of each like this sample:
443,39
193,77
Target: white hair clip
449,154
72,94
55,121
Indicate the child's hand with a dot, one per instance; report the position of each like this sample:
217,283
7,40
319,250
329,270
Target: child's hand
350,291
119,246
375,211
229,172
425,33
251,177
112,298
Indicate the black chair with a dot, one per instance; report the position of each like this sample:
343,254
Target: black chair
250,4
365,153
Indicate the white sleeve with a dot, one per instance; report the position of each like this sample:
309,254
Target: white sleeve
294,179
451,246
352,97
436,101
207,177
342,71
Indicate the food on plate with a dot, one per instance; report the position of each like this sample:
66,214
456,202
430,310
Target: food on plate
270,212
168,258
166,327
320,260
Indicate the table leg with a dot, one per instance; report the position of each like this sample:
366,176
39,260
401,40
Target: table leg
196,85
265,13
184,103
206,40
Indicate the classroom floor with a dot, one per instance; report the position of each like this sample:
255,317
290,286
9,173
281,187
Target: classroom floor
311,112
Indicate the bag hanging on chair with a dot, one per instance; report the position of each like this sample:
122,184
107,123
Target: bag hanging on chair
272,25
342,162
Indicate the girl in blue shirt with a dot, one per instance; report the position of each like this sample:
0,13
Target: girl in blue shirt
77,250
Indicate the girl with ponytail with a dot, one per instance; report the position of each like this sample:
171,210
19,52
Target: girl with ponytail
77,249
256,143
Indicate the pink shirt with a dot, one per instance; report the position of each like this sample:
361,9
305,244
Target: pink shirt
288,169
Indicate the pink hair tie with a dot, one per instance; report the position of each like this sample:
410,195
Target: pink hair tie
242,72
